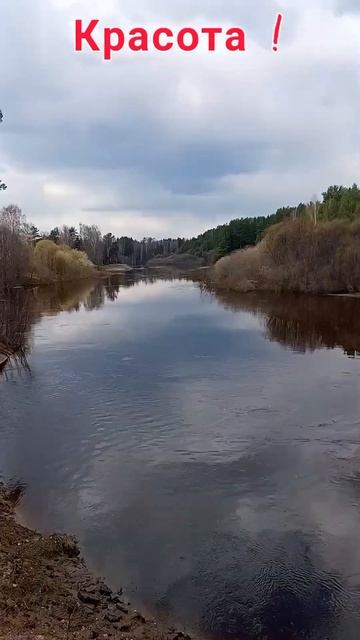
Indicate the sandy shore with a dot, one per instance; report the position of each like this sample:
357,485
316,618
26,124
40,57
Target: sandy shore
48,593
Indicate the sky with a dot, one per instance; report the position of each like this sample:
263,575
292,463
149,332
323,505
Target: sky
170,144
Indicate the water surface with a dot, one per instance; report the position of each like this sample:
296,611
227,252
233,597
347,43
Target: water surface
204,448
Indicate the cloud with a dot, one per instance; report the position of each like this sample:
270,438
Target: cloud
173,143
348,6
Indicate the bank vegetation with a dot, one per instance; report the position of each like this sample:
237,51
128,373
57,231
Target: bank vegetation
310,248
28,259
297,255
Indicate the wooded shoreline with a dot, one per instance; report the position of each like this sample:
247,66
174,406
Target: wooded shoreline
313,248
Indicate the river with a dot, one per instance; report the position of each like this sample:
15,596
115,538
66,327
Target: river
204,447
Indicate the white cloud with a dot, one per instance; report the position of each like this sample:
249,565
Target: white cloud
169,144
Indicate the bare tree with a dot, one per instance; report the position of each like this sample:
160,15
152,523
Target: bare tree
14,257
65,236
92,242
14,251
315,208
12,218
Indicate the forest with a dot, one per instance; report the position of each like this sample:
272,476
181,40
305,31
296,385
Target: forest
67,252
312,249
337,202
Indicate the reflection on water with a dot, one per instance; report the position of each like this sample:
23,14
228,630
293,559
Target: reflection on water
304,323
204,447
16,318
21,308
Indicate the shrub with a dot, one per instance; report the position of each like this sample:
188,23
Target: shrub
297,256
59,262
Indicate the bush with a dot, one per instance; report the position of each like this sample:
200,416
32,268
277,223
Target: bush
297,256
59,262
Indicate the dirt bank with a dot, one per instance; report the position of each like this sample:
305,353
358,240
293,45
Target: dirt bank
48,593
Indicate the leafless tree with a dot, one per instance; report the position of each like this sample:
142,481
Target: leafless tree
14,257
12,218
92,242
14,252
315,209
65,236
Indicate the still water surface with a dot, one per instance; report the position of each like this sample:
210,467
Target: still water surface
204,448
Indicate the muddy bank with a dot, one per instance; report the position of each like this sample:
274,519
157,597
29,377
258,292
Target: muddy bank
47,591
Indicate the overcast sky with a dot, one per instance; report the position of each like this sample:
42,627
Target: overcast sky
167,144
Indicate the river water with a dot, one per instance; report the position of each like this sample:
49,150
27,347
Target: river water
203,447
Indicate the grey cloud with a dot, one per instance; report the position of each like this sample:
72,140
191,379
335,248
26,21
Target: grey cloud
202,138
189,167
344,6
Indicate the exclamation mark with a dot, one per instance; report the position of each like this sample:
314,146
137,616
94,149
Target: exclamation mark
277,32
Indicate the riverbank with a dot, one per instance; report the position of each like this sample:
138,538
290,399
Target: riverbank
114,269
296,256
47,591
96,274
177,261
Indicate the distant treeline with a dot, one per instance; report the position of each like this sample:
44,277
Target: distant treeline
337,202
109,249
297,256
66,253
225,238
314,249
69,252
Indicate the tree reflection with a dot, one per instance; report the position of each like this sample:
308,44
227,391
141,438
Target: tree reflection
303,323
17,315
21,308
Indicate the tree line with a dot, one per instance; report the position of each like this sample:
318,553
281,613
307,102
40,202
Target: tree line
338,202
26,257
108,249
67,253
71,251
297,255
